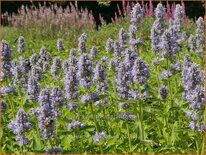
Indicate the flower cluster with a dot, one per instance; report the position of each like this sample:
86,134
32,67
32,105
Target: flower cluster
102,103
100,77
99,137
130,57
85,71
74,125
122,37
33,88
127,116
60,45
46,114
89,98
192,79
56,67
19,126
3,106
34,59
178,16
36,72
24,64
109,45
21,44
82,43
57,100
71,62
94,52
197,42
71,84
55,150
136,15
123,105
140,71
45,56
163,92
123,81
169,45
132,32
158,27
20,79
6,60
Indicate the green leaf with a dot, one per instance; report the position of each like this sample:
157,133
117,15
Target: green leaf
36,142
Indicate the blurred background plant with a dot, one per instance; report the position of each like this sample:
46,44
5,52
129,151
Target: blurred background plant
51,20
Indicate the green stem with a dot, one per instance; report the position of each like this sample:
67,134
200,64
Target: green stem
50,142
141,121
137,118
100,147
158,81
75,142
12,108
105,124
141,125
94,117
169,86
96,124
129,138
22,152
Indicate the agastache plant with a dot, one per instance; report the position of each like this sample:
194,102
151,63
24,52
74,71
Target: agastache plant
57,98
163,92
72,53
36,72
60,45
55,150
192,42
19,126
109,45
200,35
46,114
191,76
6,60
89,98
56,67
158,27
45,67
99,137
82,43
33,88
85,71
21,44
4,107
24,64
71,62
132,32
192,79
20,79
100,77
197,42
118,52
71,84
178,16
34,59
123,81
44,56
136,15
75,125
169,45
140,71
94,52
122,37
